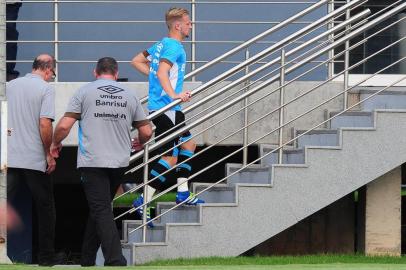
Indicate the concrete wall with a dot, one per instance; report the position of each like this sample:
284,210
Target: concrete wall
376,225
266,104
330,230
383,215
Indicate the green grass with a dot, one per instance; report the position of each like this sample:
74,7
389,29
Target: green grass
284,260
127,199
231,267
319,262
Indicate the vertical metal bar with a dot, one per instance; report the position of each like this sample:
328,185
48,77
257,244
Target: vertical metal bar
56,39
245,134
3,137
144,212
330,65
3,183
193,56
281,102
346,60
364,52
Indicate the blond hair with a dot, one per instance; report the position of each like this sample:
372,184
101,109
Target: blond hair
174,14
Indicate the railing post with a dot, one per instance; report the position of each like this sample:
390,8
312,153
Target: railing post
245,135
330,65
144,212
346,60
3,139
193,44
56,39
281,102
3,178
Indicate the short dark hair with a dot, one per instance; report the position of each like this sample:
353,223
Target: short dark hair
41,64
107,65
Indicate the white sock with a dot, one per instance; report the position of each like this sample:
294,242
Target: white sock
150,193
183,187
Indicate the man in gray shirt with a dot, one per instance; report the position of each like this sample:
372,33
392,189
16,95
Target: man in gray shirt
31,110
106,111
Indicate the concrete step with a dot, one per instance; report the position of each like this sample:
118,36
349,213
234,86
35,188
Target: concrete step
335,171
289,156
181,214
221,193
127,253
352,119
393,98
155,234
255,174
318,137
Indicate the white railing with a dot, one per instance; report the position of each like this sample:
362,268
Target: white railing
193,6
352,29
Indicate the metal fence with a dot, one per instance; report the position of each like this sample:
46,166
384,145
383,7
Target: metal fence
209,38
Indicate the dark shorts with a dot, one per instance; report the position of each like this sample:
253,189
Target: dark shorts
165,122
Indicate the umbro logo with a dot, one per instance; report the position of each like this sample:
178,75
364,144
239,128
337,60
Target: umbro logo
110,89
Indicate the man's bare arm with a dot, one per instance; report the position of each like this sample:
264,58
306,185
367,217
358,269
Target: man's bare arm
61,132
144,130
141,63
45,129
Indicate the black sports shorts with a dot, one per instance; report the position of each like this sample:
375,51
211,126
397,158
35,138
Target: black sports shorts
165,122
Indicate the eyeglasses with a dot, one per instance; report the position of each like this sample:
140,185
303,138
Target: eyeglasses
53,73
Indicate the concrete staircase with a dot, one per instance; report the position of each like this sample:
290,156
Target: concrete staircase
265,199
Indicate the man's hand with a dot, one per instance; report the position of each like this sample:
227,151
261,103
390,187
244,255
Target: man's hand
136,146
55,149
184,96
51,164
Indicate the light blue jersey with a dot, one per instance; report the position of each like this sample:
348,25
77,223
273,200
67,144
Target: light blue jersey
171,51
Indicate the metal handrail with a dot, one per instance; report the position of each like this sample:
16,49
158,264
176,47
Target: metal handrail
267,134
270,63
304,32
186,110
135,21
193,3
137,41
251,41
161,2
275,110
377,20
56,41
147,160
248,62
293,51
359,43
226,87
267,65
276,149
220,102
264,53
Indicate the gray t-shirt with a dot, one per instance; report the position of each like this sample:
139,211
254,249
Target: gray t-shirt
29,99
107,111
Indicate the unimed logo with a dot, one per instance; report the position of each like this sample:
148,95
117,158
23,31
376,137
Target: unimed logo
110,89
